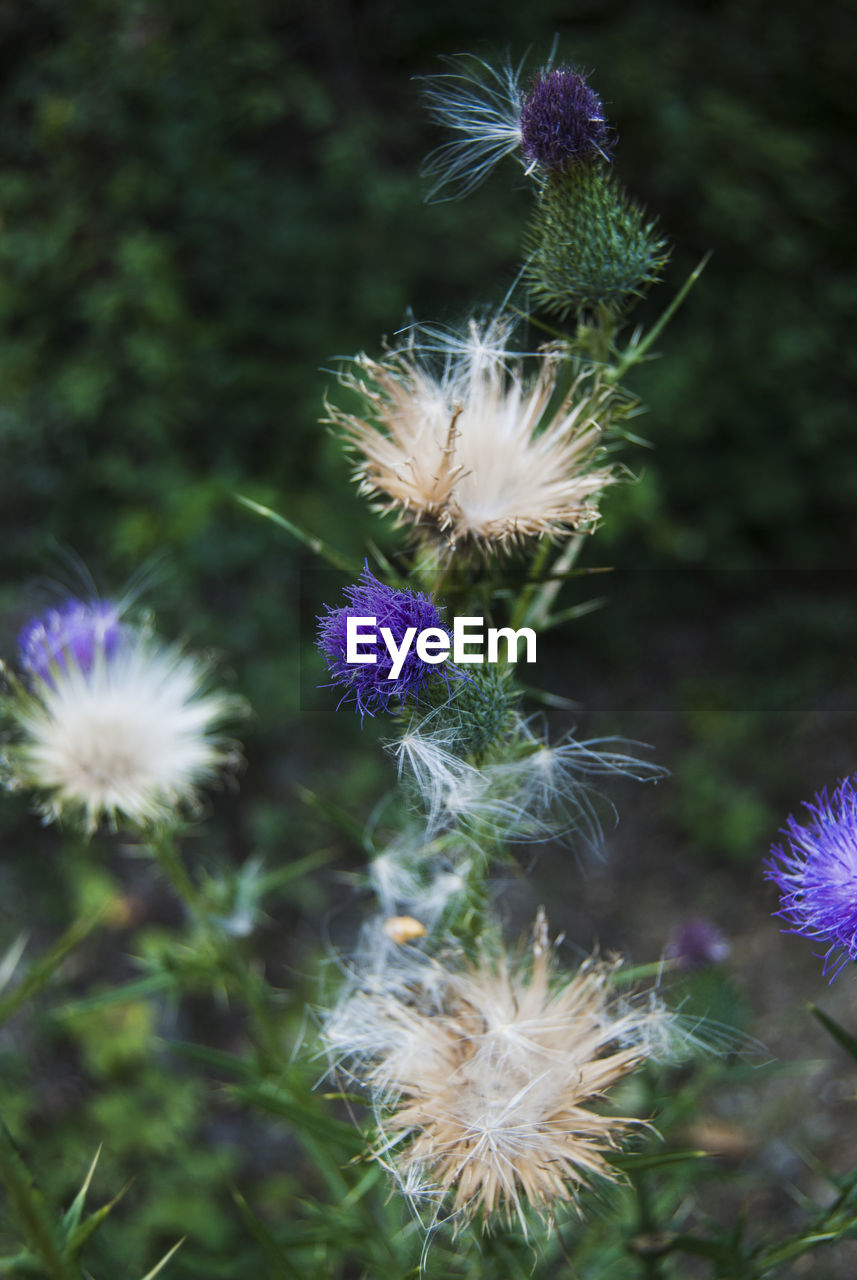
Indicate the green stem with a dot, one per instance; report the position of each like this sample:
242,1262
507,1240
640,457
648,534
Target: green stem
540,559
547,591
252,987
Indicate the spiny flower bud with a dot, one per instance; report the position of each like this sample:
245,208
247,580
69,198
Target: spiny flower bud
562,122
589,244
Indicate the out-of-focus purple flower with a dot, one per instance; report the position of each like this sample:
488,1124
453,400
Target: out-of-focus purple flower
75,632
815,870
369,684
562,121
696,942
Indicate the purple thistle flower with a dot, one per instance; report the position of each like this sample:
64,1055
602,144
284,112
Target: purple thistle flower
562,121
696,942
369,684
816,872
77,631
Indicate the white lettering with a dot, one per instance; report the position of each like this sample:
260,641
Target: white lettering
354,637
462,637
398,654
495,634
432,645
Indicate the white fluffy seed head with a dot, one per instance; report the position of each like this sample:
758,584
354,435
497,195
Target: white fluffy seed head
481,454
483,1076
128,741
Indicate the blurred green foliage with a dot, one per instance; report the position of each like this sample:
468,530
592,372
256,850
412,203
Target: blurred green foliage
201,206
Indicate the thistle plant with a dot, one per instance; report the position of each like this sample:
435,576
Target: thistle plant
502,1090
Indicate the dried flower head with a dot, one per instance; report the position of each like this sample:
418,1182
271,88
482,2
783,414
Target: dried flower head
111,724
372,685
815,870
484,1076
558,122
480,453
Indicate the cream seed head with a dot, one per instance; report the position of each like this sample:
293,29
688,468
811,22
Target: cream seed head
484,1079
480,452
125,737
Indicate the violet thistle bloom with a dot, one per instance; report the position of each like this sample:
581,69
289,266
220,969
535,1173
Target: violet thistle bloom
562,122
77,630
111,724
815,870
466,453
558,122
371,684
697,942
483,1075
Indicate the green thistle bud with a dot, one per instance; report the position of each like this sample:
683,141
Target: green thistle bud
481,710
589,244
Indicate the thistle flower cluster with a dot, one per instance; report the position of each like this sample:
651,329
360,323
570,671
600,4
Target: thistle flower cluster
557,122
109,724
483,1075
479,454
815,869
483,1070
370,684
589,245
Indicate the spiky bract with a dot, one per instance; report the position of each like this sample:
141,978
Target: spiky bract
589,244
480,453
483,1076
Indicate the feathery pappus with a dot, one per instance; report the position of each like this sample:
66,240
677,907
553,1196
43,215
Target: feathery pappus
484,1076
483,452
109,722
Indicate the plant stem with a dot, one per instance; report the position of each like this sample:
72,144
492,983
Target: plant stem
252,987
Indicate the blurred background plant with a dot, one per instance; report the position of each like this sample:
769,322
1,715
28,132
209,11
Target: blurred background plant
198,206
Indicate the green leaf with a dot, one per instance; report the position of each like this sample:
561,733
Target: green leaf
316,545
656,1160
840,1035
90,1225
301,1112
128,993
150,1275
270,1246
30,1209
43,970
216,1059
73,1213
